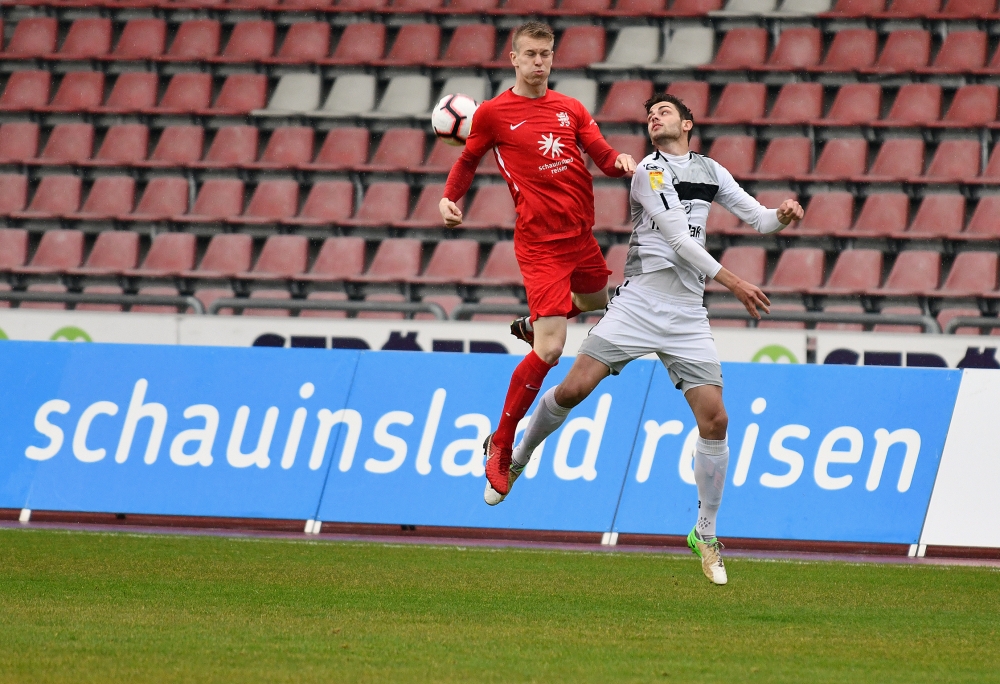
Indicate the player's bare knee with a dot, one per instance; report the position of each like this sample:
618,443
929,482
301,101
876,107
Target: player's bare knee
572,391
549,352
713,423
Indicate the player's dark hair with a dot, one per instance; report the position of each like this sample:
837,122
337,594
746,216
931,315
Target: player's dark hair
533,29
682,108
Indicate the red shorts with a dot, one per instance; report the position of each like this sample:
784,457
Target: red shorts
552,270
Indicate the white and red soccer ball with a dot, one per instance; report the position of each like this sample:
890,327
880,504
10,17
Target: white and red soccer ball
452,118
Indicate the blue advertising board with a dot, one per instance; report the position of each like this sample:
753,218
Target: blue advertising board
416,454
818,453
168,430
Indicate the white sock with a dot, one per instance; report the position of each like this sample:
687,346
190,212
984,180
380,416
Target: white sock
711,461
544,421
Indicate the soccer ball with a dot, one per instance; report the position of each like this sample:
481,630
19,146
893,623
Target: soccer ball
452,118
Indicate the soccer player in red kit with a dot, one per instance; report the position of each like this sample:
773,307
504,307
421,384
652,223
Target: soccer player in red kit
539,137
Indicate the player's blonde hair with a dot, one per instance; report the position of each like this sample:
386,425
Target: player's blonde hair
533,29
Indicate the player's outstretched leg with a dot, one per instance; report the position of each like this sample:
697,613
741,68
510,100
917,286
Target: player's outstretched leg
522,329
711,463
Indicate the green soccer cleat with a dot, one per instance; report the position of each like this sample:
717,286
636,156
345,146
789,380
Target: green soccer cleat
492,496
708,551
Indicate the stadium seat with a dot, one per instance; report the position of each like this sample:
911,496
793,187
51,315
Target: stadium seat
33,37
954,160
749,263
178,146
689,46
475,87
26,90
404,96
501,60
749,7
426,213
856,272
946,315
611,209
339,258
208,295
962,51
133,91
882,214
470,44
584,7
579,47
915,272
110,196
828,213
582,89
972,274
287,147
841,158
785,158
415,45
396,259
638,8
739,103
913,8
123,145
196,39
501,267
616,257
968,9
694,94
915,104
13,193
898,159
721,221
240,94
218,199
13,247
741,48
973,105
985,221
904,51
492,207
18,142
401,6
68,144
169,254
272,202
735,152
57,251
88,38
282,257
250,41
232,146
78,91
635,46
294,94
850,50
451,262
305,42
400,148
384,203
624,103
797,48
797,103
163,198
799,269
991,174
141,39
694,8
114,251
528,7
343,148
941,215
319,313
225,256
855,103
328,202
186,93
442,157
361,5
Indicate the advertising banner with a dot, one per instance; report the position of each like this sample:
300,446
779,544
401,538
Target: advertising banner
87,326
168,430
845,454
905,349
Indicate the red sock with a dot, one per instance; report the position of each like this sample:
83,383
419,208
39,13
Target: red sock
574,312
524,385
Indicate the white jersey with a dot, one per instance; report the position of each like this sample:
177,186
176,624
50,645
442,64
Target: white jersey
691,182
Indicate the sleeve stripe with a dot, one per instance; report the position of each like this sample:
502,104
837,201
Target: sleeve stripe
664,200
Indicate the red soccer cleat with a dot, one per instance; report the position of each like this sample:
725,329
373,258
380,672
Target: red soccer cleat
497,466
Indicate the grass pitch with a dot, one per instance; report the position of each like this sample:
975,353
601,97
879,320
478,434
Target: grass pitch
121,607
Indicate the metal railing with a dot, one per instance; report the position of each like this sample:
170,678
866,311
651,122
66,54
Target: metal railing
92,298
928,323
981,322
327,305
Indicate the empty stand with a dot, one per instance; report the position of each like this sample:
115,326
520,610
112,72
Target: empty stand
955,160
178,146
327,202
141,39
939,215
694,94
973,105
851,49
415,44
339,258
742,48
579,47
739,103
249,41
109,197
451,262
972,274
57,251
196,39
735,152
396,259
501,267
218,199
985,221
883,214
904,50
123,145
749,263
855,103
828,213
113,252
87,39
797,103
282,257
305,42
857,271
914,273
169,254
491,207
841,158
624,102
133,91
426,213
384,203
26,90
611,209
225,256
272,202
400,148
915,104
33,37
55,196
78,91
785,158
797,48
898,159
163,198
18,142
13,193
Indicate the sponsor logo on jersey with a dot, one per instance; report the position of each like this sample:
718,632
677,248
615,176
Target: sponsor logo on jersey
550,146
656,180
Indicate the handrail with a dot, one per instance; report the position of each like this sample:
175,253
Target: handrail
928,323
464,312
980,322
187,302
327,305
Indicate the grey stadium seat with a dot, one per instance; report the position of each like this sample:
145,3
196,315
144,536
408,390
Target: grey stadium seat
688,47
505,84
583,89
351,95
405,96
296,93
634,46
475,87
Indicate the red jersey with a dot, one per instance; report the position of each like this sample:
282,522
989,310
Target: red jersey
539,145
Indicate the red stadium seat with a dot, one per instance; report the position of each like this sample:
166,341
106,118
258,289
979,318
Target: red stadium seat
441,159
470,44
287,147
361,5
913,8
18,142
898,159
178,146
402,6
527,7
828,213
328,202
141,39
13,248
991,174
164,197
797,48
904,51
624,143
110,196
721,221
283,256
974,105
915,104
426,213
735,152
914,273
57,251
272,201
694,8
883,214
694,94
749,263
340,258
451,262
742,48
226,255
196,39
855,103
78,91
797,103
970,9
55,196
250,41
415,44
400,148
501,267
624,103
961,51
241,94
491,207
87,39
13,198
640,8
218,199
472,6
384,203
940,215
955,160
305,42
26,90
68,144
972,274
579,47
616,257
343,148
740,103
841,158
985,221
611,209
114,251
169,254
361,43
232,146
851,49
33,37
584,7
123,145
396,259
133,91
857,271
186,93
785,158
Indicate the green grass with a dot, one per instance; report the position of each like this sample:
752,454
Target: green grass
97,607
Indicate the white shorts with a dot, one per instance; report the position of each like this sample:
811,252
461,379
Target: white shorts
642,320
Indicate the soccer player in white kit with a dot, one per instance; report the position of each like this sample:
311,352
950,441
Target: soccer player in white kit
659,308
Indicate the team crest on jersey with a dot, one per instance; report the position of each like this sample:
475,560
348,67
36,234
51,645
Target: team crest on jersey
563,119
656,180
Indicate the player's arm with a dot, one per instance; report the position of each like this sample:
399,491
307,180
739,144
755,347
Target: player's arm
742,204
479,142
608,160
